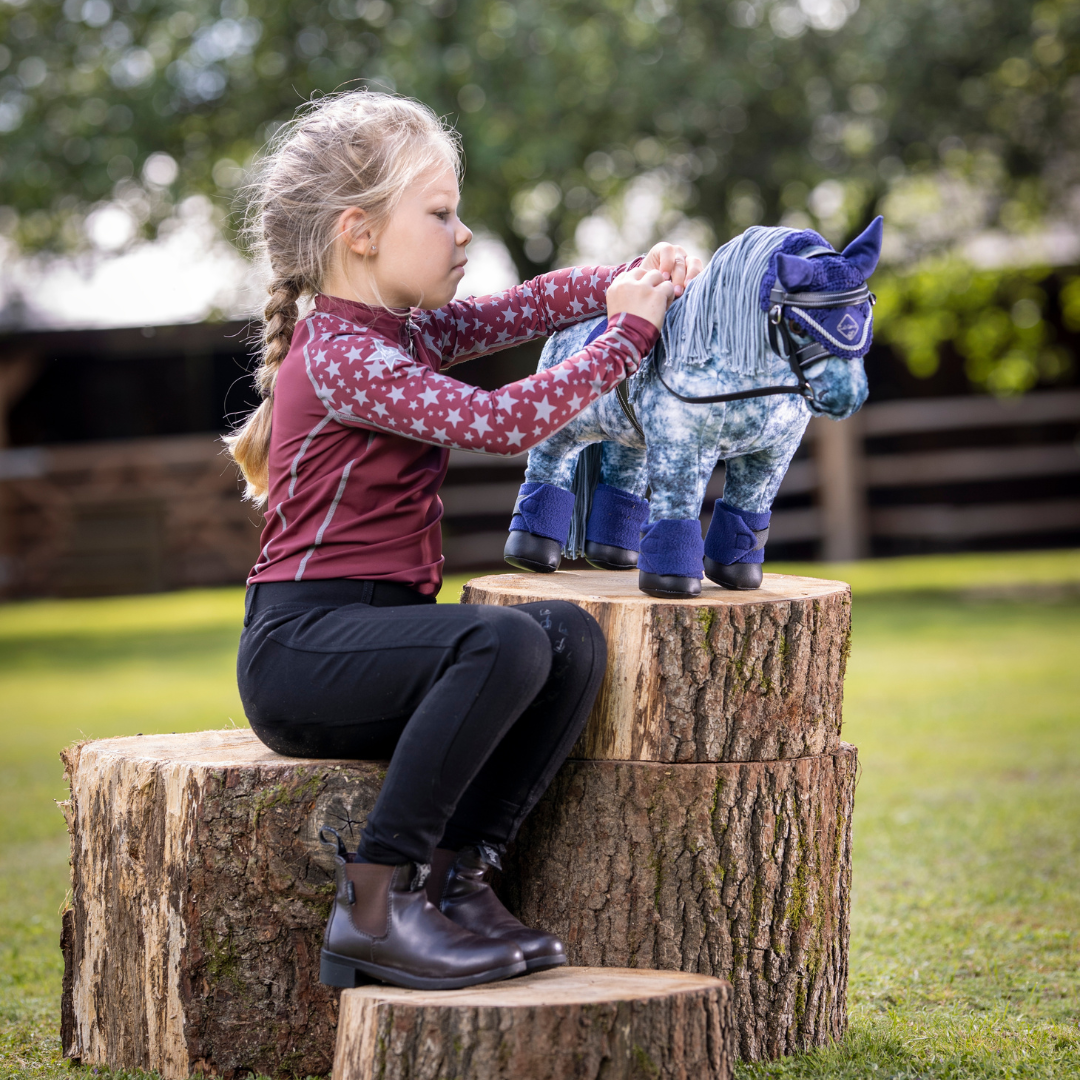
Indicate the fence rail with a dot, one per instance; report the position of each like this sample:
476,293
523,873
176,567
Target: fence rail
845,469
141,514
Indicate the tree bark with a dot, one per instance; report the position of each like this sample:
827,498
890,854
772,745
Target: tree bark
730,676
738,870
199,898
585,1023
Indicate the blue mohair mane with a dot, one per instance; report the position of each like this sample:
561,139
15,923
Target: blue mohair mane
719,316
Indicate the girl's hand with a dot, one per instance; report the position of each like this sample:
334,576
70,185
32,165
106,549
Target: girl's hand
673,261
646,293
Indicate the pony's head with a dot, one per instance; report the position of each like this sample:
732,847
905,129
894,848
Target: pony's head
830,338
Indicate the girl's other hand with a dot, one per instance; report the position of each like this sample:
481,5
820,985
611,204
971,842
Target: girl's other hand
672,260
641,292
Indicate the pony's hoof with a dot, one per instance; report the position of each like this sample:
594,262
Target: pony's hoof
739,575
527,551
668,586
609,557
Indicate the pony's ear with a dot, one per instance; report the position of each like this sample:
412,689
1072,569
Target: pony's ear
793,272
864,251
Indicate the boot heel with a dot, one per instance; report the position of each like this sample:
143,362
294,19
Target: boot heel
335,973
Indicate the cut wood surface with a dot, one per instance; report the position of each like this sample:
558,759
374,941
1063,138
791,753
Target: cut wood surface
738,870
727,676
200,893
580,1023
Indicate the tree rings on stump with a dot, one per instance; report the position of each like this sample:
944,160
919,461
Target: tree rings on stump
726,676
585,1023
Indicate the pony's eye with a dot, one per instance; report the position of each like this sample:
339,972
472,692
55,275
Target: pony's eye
797,331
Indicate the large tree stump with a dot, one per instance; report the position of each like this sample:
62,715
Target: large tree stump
727,676
199,898
580,1023
718,840
740,870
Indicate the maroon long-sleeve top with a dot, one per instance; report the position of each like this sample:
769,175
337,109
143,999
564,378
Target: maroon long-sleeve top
364,420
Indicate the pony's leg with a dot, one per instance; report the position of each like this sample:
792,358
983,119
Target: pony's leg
619,509
540,526
735,544
671,546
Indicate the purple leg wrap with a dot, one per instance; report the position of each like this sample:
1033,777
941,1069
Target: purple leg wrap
616,518
731,536
543,510
672,547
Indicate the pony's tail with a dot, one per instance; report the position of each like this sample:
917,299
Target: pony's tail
586,479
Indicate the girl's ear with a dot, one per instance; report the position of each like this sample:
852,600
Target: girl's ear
354,231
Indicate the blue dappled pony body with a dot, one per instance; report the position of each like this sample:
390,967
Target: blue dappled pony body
714,341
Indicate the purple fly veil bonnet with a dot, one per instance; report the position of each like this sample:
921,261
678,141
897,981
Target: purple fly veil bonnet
805,264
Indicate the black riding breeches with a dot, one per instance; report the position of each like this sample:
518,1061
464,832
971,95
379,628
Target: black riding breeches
475,706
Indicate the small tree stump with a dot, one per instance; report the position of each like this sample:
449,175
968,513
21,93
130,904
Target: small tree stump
580,1023
727,676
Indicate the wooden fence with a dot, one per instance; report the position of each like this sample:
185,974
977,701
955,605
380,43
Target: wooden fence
938,474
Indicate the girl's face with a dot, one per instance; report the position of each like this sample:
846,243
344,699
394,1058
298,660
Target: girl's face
418,258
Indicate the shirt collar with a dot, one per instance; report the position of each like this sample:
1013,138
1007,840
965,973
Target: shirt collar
385,320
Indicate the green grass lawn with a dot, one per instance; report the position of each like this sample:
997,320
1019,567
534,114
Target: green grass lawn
963,696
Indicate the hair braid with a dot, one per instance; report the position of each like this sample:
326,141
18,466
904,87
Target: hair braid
279,321
250,445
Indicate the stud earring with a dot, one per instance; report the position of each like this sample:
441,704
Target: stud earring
374,250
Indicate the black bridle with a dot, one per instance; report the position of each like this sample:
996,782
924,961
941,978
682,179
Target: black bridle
799,357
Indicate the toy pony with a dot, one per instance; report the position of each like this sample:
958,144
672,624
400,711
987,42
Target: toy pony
772,332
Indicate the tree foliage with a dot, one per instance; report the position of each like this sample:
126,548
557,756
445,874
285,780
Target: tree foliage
751,109
951,115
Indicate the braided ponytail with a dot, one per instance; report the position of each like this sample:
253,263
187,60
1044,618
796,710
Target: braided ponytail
250,443
357,149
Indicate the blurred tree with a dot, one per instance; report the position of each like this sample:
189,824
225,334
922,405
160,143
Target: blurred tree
998,321
956,117
751,110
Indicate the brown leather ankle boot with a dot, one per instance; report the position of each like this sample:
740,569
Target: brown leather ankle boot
457,886
382,926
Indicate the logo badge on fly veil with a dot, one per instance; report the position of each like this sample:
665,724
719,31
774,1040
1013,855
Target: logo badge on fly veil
848,327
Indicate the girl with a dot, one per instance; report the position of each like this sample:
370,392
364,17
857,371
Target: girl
344,653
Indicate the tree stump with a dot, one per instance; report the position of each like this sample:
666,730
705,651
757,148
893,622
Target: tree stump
740,870
703,822
580,1023
199,897
200,891
727,676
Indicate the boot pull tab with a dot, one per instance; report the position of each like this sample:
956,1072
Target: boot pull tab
490,855
337,842
421,872
350,892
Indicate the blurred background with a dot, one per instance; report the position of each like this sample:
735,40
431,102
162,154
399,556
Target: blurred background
591,129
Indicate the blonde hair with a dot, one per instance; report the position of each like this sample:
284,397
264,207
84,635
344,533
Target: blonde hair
357,149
